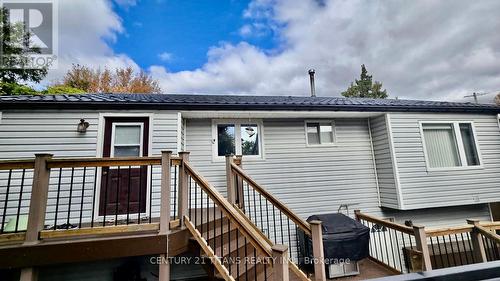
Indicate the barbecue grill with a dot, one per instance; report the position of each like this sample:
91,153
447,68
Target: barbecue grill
345,241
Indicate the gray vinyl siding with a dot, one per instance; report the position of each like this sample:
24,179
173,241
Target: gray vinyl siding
309,179
315,180
383,161
24,133
421,188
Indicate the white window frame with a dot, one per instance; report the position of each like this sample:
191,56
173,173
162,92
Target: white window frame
141,140
460,146
237,135
334,133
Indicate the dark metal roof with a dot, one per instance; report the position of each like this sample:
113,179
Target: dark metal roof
235,102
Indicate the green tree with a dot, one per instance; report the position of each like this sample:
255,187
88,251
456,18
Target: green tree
61,89
365,88
15,60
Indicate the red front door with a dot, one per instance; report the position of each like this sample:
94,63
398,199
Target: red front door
123,189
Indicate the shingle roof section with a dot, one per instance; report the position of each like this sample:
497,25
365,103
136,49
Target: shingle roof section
230,102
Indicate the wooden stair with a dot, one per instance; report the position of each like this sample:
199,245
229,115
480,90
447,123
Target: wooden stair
234,246
227,244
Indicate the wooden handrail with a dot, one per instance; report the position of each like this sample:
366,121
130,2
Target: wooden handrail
489,225
108,162
17,164
448,230
393,225
275,201
488,234
495,225
208,251
244,227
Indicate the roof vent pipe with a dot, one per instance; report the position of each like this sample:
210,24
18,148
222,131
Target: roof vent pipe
313,87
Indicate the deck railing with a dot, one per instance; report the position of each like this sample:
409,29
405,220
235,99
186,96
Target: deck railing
50,198
409,249
392,244
278,223
16,177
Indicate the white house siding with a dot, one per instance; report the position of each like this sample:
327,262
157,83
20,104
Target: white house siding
313,180
309,179
425,189
24,133
383,162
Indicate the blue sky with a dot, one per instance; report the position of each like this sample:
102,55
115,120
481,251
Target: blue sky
178,34
432,50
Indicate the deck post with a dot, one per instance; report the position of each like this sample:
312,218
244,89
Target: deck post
421,241
165,192
239,183
39,196
477,242
356,214
318,254
230,183
183,188
28,274
280,263
164,270
37,208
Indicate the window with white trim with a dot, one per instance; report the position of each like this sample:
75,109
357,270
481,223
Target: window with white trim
450,144
238,137
126,140
320,132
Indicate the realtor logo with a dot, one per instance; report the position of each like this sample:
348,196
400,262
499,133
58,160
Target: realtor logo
31,31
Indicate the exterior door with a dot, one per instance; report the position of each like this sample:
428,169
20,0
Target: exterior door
123,189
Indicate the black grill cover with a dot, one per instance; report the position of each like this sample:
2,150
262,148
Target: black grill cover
343,238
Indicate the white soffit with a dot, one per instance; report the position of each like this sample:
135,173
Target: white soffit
278,114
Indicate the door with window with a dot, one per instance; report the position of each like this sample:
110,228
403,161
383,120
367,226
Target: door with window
123,189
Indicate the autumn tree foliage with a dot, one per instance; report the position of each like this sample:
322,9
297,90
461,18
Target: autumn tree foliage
120,80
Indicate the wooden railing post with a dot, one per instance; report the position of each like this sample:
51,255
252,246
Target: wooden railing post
183,188
318,254
39,196
280,266
239,183
421,241
477,242
231,190
37,208
165,192
356,214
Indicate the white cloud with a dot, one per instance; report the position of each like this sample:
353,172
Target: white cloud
165,56
418,49
85,28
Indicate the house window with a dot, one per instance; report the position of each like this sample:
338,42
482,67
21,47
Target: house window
127,140
450,145
238,137
319,133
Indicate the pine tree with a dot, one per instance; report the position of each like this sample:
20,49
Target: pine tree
365,87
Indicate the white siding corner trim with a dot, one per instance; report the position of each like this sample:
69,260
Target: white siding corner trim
179,132
394,162
374,162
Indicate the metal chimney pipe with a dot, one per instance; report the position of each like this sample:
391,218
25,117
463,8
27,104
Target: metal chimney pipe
313,87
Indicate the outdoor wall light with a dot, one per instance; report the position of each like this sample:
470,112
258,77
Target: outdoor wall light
82,126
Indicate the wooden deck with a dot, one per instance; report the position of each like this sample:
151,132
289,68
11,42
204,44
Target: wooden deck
368,270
